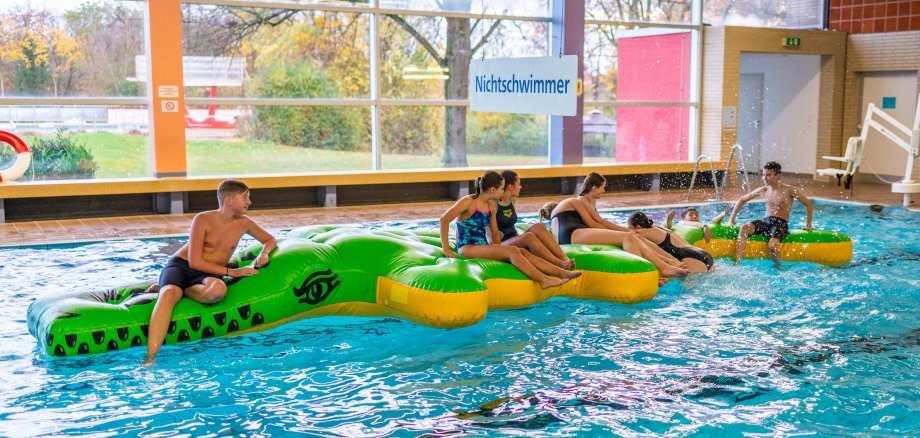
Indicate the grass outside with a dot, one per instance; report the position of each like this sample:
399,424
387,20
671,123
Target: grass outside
126,156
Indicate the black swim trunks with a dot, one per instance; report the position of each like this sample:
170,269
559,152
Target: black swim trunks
179,273
686,252
771,226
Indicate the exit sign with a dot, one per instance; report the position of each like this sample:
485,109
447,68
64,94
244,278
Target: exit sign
792,42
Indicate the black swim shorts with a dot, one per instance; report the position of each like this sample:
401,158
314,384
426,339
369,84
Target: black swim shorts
179,273
771,226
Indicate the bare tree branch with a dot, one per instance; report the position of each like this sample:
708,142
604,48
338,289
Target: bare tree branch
485,37
418,37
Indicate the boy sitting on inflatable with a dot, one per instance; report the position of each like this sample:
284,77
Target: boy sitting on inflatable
195,270
690,217
779,198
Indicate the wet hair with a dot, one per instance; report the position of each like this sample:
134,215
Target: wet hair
230,187
774,166
640,220
687,211
546,211
490,179
510,177
593,180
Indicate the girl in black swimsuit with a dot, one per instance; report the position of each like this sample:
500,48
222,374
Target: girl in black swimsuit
575,220
537,239
695,258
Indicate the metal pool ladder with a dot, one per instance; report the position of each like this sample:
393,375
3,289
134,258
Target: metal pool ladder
736,153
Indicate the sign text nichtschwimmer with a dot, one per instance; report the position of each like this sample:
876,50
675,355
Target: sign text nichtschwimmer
545,85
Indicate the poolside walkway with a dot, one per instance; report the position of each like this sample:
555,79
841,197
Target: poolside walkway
77,230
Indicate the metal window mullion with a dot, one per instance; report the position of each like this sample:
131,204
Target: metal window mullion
359,9
230,101
376,153
641,24
611,103
71,101
424,102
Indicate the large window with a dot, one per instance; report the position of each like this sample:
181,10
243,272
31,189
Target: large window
69,86
379,86
640,77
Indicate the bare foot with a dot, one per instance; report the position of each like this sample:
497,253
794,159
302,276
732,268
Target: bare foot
148,361
568,264
662,281
154,288
737,261
553,282
571,274
673,272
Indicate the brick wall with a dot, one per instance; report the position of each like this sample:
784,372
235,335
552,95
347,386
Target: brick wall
872,16
877,52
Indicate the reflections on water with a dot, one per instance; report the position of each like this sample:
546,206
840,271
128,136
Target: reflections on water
744,350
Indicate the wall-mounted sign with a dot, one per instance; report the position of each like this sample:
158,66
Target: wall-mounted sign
889,102
169,106
792,42
545,85
168,91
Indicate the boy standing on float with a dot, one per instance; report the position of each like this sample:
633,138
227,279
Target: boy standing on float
195,270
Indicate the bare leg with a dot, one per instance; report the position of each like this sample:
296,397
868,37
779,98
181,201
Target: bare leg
549,268
743,234
159,320
662,254
211,291
773,246
540,230
532,243
630,243
514,256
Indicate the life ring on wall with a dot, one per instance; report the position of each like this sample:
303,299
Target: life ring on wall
23,157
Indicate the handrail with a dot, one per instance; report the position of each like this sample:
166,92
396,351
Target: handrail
746,185
712,169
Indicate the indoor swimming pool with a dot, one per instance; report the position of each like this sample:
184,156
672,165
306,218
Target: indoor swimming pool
809,349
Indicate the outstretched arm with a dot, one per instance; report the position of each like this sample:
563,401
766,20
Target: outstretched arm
601,222
809,208
452,213
266,239
744,200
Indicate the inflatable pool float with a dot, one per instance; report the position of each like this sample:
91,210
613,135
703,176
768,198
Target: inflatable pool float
817,246
323,270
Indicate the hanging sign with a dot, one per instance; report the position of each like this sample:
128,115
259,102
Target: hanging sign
545,85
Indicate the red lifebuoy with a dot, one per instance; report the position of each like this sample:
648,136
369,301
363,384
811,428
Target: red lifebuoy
23,157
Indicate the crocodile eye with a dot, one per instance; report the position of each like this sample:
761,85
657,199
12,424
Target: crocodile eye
317,286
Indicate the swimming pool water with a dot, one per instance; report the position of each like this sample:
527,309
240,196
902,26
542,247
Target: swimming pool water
745,350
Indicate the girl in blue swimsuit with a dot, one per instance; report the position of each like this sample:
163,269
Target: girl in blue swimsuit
575,220
476,226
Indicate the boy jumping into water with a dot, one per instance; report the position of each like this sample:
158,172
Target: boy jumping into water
195,270
779,198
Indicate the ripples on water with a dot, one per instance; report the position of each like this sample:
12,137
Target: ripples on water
809,349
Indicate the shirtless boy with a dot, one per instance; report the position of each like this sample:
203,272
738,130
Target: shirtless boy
195,270
779,198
